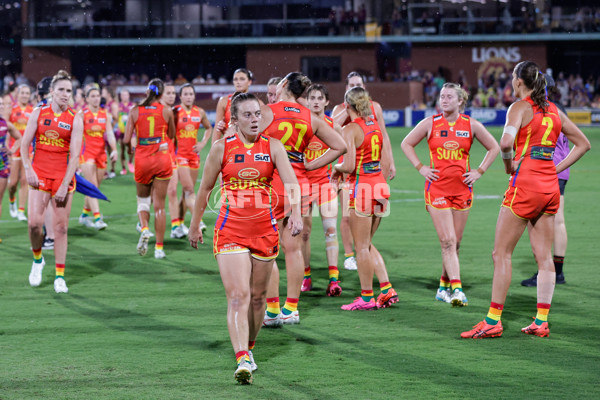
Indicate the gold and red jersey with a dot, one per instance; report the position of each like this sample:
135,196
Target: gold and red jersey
52,142
292,126
534,145
188,124
315,149
94,126
368,154
19,117
247,171
449,146
227,114
151,128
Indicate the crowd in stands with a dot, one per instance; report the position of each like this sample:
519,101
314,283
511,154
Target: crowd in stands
491,91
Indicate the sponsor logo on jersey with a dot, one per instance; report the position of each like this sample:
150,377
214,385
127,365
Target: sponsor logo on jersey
47,122
91,121
444,134
64,125
195,119
314,146
101,120
249,173
464,134
292,109
51,134
369,123
437,118
451,145
239,158
229,139
262,157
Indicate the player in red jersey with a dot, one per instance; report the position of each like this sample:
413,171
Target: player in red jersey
450,179
7,130
19,115
125,105
58,132
340,115
188,119
111,105
533,125
97,127
153,123
294,125
246,240
242,80
323,195
368,194
168,99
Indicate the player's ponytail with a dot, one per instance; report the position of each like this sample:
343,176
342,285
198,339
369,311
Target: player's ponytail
535,80
297,83
156,87
360,101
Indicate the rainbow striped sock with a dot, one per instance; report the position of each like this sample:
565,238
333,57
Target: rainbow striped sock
12,199
385,286
37,256
242,355
175,223
251,344
542,313
334,273
158,246
85,212
22,209
97,216
494,313
145,228
307,272
444,283
290,306
367,295
348,255
456,284
60,271
273,309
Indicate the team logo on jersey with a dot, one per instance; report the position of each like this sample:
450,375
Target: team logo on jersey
195,119
292,109
262,157
184,119
239,158
64,125
249,173
464,134
451,145
444,134
96,128
101,120
189,127
314,146
47,122
91,121
51,134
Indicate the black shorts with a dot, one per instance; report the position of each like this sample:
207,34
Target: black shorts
561,186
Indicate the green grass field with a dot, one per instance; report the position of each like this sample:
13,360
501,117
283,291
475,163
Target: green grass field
134,327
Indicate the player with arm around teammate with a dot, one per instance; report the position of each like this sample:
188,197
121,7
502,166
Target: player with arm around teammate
532,128
246,239
449,178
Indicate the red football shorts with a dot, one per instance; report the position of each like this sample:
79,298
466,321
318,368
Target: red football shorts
321,191
158,165
281,201
369,195
51,185
262,248
192,162
441,201
87,157
529,205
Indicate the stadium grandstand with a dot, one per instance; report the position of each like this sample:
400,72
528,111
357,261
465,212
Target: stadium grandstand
406,49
